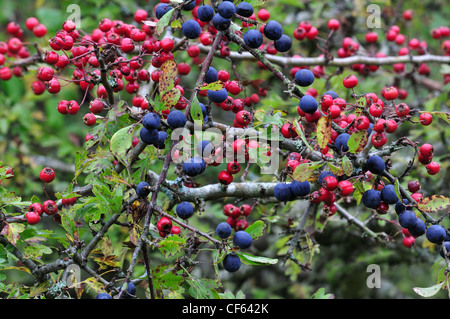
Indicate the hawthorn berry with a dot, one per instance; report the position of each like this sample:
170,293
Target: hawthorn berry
425,119
47,175
350,81
432,168
225,177
32,218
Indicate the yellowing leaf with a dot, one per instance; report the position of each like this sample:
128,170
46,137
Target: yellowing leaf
323,131
434,203
169,72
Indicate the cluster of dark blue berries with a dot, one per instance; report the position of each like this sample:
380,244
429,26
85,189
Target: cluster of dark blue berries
241,240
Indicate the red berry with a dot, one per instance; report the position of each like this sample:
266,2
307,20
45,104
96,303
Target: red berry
40,30
378,139
241,224
414,186
47,175
371,37
50,207
376,109
32,218
424,159
345,188
37,208
96,106
245,209
38,87
263,14
390,126
402,109
167,44
408,241
225,177
362,123
425,119
193,51
175,230
45,73
426,150
89,119
408,14
31,22
334,111
432,168
164,224
330,183
390,93
333,24
140,15
73,107
350,81
233,167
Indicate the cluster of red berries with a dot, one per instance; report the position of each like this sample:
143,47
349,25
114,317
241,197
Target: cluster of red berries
165,227
225,177
426,158
408,240
330,189
36,210
237,216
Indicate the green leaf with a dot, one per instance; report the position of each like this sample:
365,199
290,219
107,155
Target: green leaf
215,86
171,245
347,166
305,170
256,230
196,111
249,259
336,170
300,133
433,203
121,141
428,291
357,141
397,188
256,3
163,22
170,280
320,294
203,289
323,131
